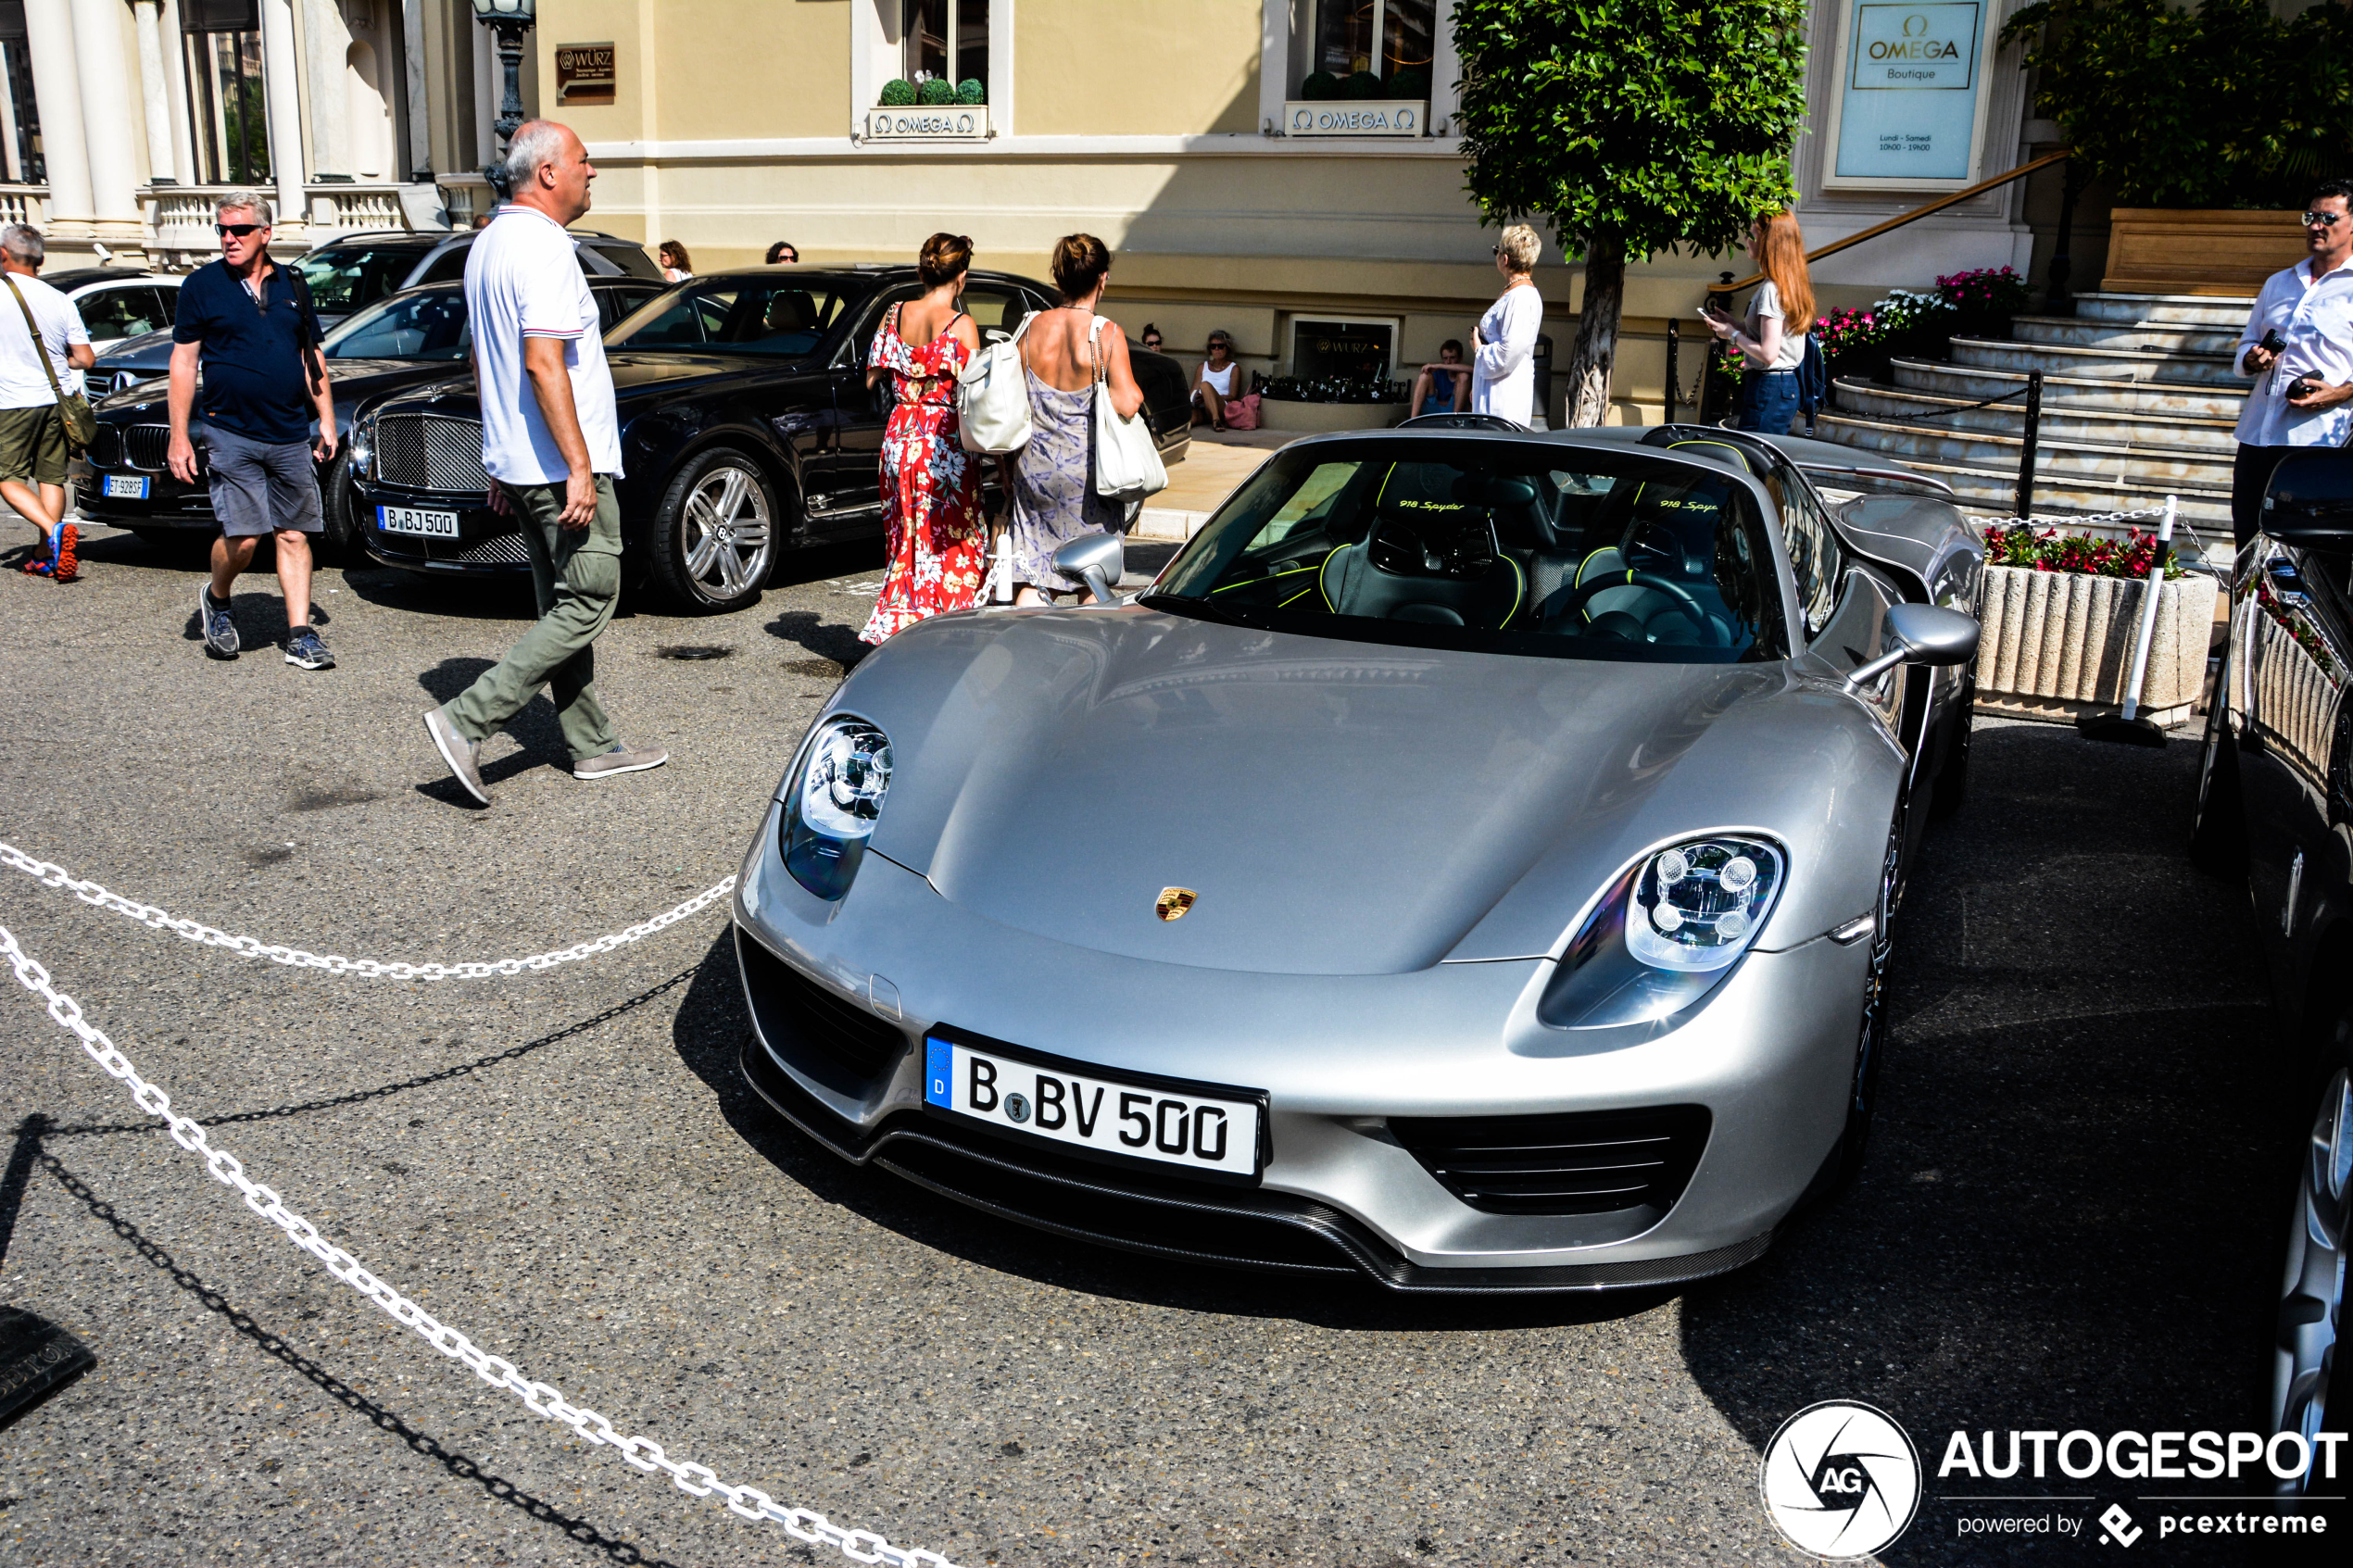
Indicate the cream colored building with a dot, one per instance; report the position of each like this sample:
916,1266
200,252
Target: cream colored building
1177,129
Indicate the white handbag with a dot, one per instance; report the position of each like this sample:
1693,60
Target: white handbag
1128,465
992,397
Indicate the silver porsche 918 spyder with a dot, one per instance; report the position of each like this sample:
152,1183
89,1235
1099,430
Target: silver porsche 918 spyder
1470,865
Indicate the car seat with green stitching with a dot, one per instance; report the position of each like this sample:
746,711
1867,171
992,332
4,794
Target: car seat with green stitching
1430,556
1675,523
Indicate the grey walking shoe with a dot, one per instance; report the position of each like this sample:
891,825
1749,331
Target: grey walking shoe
218,626
459,753
305,651
620,760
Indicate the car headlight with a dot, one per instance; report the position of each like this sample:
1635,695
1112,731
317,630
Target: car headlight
832,798
1667,934
363,447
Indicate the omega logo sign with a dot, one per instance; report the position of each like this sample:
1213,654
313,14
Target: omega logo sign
1915,44
1930,45
1355,119
965,124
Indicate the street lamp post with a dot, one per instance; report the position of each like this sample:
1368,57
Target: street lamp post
509,20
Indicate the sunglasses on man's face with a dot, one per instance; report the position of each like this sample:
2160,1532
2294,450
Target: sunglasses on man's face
240,230
2323,219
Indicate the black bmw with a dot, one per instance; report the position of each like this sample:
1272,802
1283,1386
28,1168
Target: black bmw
419,335
747,429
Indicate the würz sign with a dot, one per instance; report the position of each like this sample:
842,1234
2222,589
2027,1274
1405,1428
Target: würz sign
585,73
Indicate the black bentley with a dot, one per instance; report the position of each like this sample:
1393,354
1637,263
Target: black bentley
415,336
747,429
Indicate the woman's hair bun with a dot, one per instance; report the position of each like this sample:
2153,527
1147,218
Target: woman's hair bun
944,258
1080,260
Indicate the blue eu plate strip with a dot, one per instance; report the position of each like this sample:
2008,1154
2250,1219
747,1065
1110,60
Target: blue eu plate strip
939,1071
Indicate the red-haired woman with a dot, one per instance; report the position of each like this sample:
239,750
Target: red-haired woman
1772,339
930,489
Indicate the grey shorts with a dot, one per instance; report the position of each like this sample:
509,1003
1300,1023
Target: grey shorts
261,486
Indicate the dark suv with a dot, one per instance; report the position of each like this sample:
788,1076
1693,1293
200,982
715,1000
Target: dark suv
354,270
357,270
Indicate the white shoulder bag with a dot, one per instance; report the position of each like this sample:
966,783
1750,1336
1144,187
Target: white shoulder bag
1128,465
992,397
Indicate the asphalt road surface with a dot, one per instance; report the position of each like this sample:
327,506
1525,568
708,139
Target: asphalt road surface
2065,1221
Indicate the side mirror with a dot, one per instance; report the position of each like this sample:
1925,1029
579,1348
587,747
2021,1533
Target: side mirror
2309,501
1097,560
1924,635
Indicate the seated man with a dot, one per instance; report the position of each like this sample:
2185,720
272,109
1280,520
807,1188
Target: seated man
1446,384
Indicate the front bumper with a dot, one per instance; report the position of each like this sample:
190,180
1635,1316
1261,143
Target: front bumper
489,543
1346,1062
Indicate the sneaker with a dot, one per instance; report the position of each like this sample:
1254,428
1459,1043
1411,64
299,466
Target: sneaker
37,565
459,753
220,627
620,760
63,564
305,651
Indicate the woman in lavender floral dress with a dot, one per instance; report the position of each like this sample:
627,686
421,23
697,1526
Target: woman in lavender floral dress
1051,481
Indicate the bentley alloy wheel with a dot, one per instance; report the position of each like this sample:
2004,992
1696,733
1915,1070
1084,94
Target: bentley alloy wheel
717,533
2312,1285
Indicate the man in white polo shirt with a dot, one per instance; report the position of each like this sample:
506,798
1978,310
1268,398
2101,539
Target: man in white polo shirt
552,449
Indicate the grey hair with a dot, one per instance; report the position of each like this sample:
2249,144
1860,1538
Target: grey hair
250,201
535,142
23,244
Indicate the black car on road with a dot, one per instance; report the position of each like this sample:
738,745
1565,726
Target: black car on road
419,335
747,429
2276,806
353,272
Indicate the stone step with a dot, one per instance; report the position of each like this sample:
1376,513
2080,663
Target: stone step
2059,360
2185,399
2182,309
2075,462
1896,404
2162,338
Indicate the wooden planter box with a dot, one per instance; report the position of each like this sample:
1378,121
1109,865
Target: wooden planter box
2184,250
1284,414
2058,644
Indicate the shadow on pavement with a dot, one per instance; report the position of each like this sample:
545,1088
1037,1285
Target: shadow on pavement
535,729
708,1032
2066,1215
335,1389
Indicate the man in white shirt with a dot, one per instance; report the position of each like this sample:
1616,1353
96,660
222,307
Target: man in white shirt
551,445
33,433
2303,393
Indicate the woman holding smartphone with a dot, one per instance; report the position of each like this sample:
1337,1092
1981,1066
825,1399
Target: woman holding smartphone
1772,352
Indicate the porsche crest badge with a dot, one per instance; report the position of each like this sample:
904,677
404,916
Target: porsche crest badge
1173,902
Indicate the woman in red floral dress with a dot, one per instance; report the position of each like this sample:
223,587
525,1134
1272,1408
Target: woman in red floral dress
930,485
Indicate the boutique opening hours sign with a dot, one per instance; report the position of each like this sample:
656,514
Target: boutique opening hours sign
1910,97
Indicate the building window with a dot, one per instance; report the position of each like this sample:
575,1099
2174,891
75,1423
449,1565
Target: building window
948,39
20,161
1389,38
227,104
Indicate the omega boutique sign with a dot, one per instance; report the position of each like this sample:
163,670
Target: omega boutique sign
1911,100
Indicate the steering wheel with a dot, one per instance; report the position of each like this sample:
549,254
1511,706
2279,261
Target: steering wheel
1668,551
1585,593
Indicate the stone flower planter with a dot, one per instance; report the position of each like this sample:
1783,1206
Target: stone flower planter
2058,644
1285,414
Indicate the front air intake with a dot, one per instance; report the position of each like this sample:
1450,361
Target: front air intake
1582,1162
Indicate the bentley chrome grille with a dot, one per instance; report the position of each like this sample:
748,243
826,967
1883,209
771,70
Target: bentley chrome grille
430,452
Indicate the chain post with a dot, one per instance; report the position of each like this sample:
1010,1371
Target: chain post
2025,503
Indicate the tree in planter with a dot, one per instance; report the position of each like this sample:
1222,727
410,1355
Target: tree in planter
1633,127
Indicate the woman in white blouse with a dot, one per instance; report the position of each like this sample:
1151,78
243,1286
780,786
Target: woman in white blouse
1216,386
1503,349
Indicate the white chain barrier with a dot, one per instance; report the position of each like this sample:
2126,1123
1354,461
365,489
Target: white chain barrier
541,1398
2068,521
50,875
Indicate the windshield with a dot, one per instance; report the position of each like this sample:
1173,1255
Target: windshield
1497,548
421,324
343,278
783,317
